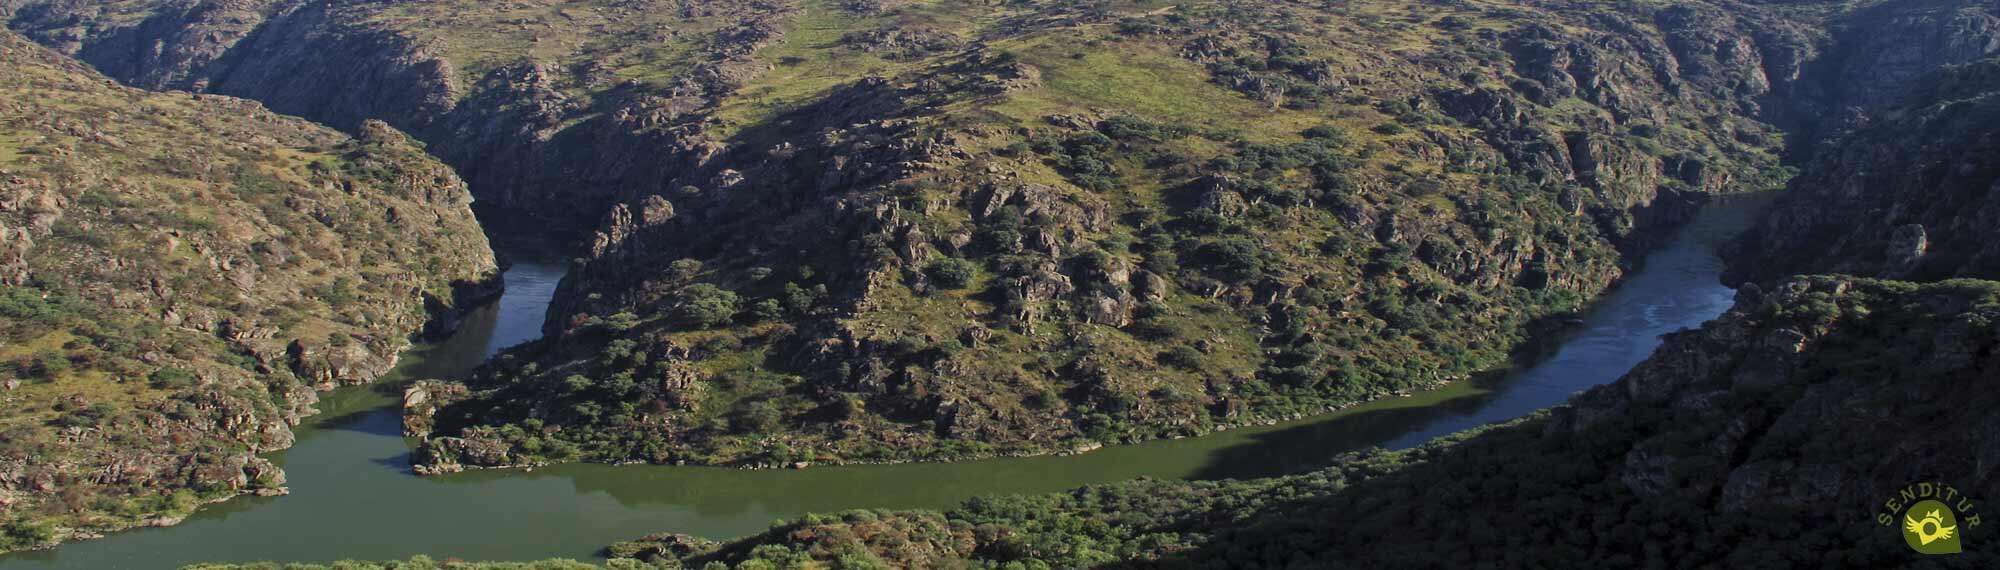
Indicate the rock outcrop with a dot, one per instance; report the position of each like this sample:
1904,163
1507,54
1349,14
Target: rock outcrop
1874,57
1916,195
181,273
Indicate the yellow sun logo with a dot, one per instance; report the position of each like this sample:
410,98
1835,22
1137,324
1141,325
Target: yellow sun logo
1930,529
1934,532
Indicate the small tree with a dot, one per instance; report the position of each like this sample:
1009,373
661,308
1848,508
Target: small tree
759,417
46,365
577,384
767,310
797,298
171,379
1327,133
685,269
622,321
951,273
706,305
1183,357
1232,259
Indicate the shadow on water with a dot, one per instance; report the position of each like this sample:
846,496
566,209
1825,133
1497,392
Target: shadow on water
364,422
1308,446
354,497
359,409
399,462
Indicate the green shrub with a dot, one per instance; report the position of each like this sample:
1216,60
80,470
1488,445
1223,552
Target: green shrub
760,417
951,273
1183,357
339,292
685,268
23,534
767,310
171,379
46,365
1231,259
621,321
87,416
706,305
31,304
1327,133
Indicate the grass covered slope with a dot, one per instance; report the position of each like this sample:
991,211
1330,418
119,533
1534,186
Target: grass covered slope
1769,438
179,273
933,230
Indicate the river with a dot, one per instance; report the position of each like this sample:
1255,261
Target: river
353,496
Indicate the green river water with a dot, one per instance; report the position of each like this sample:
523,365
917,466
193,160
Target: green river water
353,496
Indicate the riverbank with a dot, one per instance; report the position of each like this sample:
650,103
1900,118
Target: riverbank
354,496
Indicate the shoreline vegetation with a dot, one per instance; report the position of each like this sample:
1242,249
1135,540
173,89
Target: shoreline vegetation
1085,447
805,233
1536,471
182,275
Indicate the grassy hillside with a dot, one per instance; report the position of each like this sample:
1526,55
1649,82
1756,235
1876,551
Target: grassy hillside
178,273
933,230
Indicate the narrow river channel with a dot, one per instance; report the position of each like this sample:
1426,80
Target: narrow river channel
353,496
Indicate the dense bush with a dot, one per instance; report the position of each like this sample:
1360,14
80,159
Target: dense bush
1231,259
952,273
171,379
706,305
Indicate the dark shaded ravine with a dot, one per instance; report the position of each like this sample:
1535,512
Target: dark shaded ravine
354,498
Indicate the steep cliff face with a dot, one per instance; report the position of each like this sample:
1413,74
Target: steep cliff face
1916,195
1893,127
943,231
1823,395
1875,55
179,273
1770,438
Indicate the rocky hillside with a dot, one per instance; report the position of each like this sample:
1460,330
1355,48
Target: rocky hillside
938,230
1898,177
1877,53
549,108
1769,438
886,230
179,273
1914,195
912,229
